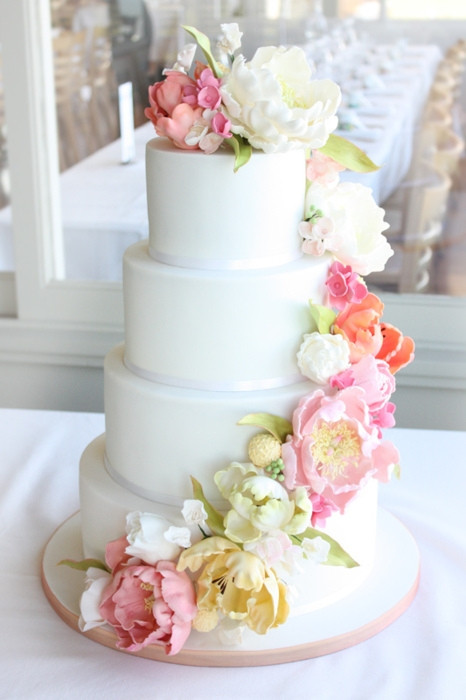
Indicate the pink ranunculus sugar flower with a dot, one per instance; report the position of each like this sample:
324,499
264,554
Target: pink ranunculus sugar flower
344,286
335,448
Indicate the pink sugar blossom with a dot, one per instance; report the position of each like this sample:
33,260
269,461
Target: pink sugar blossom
209,97
344,286
321,510
322,168
150,605
373,376
206,78
335,448
221,125
318,236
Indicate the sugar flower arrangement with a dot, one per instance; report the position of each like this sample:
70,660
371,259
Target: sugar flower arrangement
269,103
234,568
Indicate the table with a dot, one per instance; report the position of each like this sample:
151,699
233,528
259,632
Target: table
390,118
104,210
421,655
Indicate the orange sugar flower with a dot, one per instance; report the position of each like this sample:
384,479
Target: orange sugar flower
397,350
359,324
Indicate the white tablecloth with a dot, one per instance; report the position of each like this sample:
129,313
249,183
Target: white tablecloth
104,210
421,656
391,118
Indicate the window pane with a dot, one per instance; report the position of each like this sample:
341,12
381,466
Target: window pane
6,239
97,47
426,9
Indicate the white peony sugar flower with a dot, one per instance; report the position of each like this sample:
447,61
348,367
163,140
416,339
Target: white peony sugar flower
322,355
359,221
273,103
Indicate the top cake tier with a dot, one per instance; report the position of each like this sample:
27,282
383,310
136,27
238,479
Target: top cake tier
204,215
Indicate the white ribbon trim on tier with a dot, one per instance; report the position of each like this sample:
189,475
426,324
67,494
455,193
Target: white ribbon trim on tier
200,385
219,264
148,494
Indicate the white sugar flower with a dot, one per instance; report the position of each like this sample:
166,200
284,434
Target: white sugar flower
359,222
97,581
185,58
146,538
193,512
230,39
316,549
274,104
323,355
180,536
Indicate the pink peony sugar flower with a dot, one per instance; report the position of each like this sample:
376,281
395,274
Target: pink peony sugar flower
178,126
335,448
170,111
150,605
167,94
373,376
344,286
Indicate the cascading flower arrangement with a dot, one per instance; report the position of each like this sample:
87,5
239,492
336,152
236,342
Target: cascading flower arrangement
160,580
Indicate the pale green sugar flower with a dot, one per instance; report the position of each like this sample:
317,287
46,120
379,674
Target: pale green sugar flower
260,504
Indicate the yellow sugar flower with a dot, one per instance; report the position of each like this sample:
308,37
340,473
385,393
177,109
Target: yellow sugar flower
236,583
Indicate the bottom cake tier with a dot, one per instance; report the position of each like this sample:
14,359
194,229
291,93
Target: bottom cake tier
384,595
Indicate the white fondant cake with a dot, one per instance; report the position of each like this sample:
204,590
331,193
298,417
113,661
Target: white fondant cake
237,477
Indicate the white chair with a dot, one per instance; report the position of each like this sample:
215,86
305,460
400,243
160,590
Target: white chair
415,213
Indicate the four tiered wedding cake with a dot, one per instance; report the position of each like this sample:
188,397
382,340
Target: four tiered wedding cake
236,482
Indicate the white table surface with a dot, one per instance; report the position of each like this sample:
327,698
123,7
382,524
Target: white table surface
421,656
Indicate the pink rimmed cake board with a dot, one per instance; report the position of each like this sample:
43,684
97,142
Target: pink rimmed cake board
379,601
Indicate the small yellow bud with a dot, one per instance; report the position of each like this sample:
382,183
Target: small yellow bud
264,448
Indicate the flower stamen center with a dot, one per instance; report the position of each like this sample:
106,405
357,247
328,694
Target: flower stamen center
335,447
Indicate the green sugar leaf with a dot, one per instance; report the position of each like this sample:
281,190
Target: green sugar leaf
214,518
347,154
204,43
84,565
323,317
337,556
242,150
277,426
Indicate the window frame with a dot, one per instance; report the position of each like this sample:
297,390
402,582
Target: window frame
92,312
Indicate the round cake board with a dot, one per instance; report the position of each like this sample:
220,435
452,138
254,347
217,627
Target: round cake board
381,599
